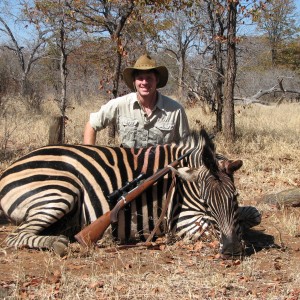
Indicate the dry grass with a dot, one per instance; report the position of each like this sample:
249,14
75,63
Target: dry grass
268,143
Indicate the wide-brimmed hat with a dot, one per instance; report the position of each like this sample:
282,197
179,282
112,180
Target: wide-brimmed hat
145,63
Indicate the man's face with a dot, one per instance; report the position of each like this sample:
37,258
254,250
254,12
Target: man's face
146,82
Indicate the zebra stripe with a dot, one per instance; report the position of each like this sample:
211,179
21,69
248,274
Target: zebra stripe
60,189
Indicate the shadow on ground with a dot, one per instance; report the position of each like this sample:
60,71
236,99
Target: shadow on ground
256,241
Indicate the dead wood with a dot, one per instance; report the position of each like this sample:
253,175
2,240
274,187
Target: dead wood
286,198
278,88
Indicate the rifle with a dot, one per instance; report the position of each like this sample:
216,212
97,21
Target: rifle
116,194
93,232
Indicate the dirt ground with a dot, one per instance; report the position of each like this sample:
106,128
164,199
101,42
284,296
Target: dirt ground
184,270
270,269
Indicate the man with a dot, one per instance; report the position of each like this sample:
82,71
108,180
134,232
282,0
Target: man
144,117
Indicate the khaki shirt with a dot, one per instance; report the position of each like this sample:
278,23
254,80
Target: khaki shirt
168,122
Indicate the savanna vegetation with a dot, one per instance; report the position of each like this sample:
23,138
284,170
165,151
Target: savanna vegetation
67,61
217,52
268,145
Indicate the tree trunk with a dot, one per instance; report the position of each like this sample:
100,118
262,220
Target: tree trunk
56,131
63,79
229,121
115,89
117,71
273,56
219,104
217,30
23,86
181,69
219,81
220,77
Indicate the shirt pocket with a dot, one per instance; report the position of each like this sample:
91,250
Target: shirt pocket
127,130
165,132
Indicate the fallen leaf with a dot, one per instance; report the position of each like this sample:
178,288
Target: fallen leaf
23,295
54,277
277,266
32,282
214,244
236,262
156,290
169,260
198,246
277,279
278,258
96,284
226,264
162,247
190,263
245,278
179,270
75,267
217,256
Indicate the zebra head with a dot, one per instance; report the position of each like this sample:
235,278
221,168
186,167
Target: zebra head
212,180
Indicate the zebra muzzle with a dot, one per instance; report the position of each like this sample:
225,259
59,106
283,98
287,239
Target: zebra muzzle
231,248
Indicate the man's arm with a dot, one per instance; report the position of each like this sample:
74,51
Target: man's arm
89,136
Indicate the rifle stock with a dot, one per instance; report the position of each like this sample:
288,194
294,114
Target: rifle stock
93,232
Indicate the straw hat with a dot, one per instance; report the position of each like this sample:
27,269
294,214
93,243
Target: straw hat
145,63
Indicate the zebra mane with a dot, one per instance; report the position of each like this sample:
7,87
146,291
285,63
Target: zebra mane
196,139
206,155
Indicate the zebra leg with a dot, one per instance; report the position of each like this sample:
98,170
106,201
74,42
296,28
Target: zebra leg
190,229
24,237
248,216
38,219
202,227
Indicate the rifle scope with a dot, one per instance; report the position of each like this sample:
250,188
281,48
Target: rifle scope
116,194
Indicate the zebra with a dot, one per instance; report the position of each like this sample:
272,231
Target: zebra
56,190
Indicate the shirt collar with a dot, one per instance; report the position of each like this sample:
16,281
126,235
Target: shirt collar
159,103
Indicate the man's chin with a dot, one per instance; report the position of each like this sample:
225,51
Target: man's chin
145,92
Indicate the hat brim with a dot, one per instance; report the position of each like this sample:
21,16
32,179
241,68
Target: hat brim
162,71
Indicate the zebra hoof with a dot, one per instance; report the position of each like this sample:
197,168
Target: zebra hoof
60,246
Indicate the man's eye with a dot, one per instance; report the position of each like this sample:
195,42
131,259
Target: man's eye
146,78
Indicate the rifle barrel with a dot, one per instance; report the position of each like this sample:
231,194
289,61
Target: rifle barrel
125,199
91,233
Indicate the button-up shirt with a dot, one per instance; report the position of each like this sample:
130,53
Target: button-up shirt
167,123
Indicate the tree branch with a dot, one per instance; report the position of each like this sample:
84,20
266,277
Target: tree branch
278,88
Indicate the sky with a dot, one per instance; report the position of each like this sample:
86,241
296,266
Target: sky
297,2
25,32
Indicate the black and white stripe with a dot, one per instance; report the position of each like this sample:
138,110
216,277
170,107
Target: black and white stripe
60,189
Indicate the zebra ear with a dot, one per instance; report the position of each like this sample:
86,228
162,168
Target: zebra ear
230,166
234,166
188,174
208,139
209,160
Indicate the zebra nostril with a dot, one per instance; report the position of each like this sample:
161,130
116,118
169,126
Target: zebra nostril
231,248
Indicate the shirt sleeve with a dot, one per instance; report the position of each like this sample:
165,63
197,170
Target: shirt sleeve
106,115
